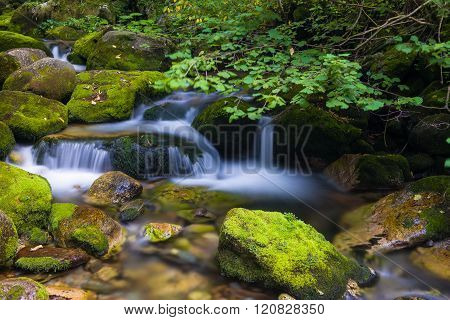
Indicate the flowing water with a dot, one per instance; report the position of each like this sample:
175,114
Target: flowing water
177,270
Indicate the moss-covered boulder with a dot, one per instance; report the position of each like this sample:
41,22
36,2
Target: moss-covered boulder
15,59
31,117
114,187
27,17
329,136
368,172
159,232
84,46
278,251
87,228
431,133
26,198
44,77
22,289
64,33
12,40
9,240
102,96
7,140
50,259
402,219
420,162
5,18
233,140
124,50
393,62
434,259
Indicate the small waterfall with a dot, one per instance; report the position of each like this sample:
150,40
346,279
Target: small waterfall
87,155
62,54
266,143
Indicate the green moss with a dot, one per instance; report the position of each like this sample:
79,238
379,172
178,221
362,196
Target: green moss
11,40
8,64
60,211
42,264
438,222
281,252
84,46
91,239
5,19
7,140
9,240
102,96
159,232
38,236
64,33
438,184
26,198
394,63
29,116
22,289
435,95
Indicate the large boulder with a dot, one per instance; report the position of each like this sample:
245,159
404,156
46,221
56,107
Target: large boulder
64,33
125,50
431,133
102,96
278,251
48,77
316,134
22,289
15,59
7,141
26,198
402,219
9,240
87,228
12,40
434,259
367,172
27,17
84,46
30,116
114,187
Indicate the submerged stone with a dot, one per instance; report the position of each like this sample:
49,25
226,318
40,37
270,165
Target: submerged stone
63,292
114,187
9,240
7,141
88,228
402,219
278,251
26,198
48,77
12,40
31,117
367,172
435,259
159,232
131,210
50,259
22,289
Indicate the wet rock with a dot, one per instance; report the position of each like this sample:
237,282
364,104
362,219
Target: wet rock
420,162
31,117
107,95
107,273
88,228
285,296
22,289
128,51
278,251
26,198
159,232
9,240
64,33
12,40
402,219
199,215
368,172
430,135
15,158
43,77
63,292
7,141
435,259
50,259
199,228
131,210
114,187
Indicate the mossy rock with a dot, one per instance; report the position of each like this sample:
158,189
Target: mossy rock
434,259
9,240
5,19
7,141
278,251
129,51
233,140
44,78
28,16
393,62
420,162
50,259
330,136
102,96
369,172
65,33
22,289
84,46
87,228
15,59
402,219
26,198
12,40
431,133
160,232
132,210
435,95
31,117
113,187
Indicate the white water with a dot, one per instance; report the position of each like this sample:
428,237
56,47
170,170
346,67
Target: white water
62,54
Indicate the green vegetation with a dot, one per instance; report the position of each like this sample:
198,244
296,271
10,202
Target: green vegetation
91,239
9,240
42,264
7,140
22,289
11,40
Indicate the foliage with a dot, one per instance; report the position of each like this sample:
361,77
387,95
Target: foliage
87,23
132,22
